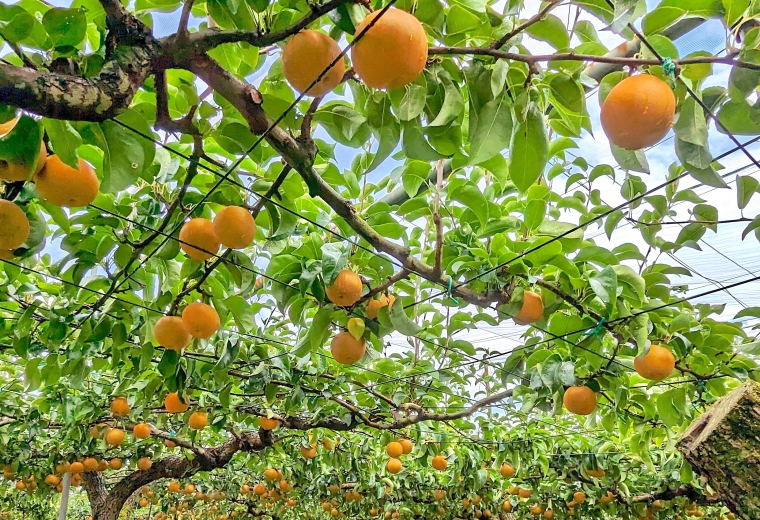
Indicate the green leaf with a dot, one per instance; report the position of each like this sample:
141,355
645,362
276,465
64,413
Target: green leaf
734,9
667,412
242,312
739,118
385,127
123,156
409,101
460,20
415,146
167,367
320,328
343,123
492,131
64,140
334,259
401,321
604,285
470,195
568,93
534,213
631,278
750,349
229,354
661,18
19,28
623,13
708,176
530,150
65,26
22,144
551,30
632,160
691,125
747,188
453,102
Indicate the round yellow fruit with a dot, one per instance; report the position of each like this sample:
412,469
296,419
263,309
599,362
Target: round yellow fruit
638,112
170,332
346,349
14,226
306,56
656,365
346,290
580,400
198,240
235,227
392,52
200,320
532,309
61,185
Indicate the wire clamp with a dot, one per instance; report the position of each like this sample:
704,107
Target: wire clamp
669,68
448,292
598,328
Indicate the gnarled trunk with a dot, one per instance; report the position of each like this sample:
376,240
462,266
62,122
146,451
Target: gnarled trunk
724,446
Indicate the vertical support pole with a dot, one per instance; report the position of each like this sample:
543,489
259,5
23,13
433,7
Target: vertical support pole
65,496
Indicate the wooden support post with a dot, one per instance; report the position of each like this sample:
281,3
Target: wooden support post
723,446
65,496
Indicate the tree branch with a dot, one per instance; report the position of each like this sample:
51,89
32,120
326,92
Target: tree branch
61,96
572,56
521,28
203,41
272,191
669,494
402,274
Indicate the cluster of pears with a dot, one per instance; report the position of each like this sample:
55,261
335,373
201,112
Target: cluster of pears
57,183
395,449
199,320
390,51
345,291
233,227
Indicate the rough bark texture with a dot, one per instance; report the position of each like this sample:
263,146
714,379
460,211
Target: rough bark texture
724,446
107,504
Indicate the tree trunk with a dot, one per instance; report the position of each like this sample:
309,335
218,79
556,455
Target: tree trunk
724,446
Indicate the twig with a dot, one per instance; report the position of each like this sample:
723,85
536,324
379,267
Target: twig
307,118
709,222
437,220
572,56
20,53
272,191
520,28
185,18
403,273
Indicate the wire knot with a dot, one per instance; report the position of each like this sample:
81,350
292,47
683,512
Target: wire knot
669,68
448,292
598,328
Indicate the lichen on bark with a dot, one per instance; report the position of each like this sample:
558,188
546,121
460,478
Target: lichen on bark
723,445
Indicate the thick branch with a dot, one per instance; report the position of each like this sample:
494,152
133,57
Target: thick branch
669,494
111,503
61,96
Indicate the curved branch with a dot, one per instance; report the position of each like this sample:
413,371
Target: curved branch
182,46
108,505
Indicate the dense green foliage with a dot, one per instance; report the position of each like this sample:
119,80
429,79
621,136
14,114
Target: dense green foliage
467,187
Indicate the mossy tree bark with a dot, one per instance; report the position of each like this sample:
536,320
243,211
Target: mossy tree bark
724,446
